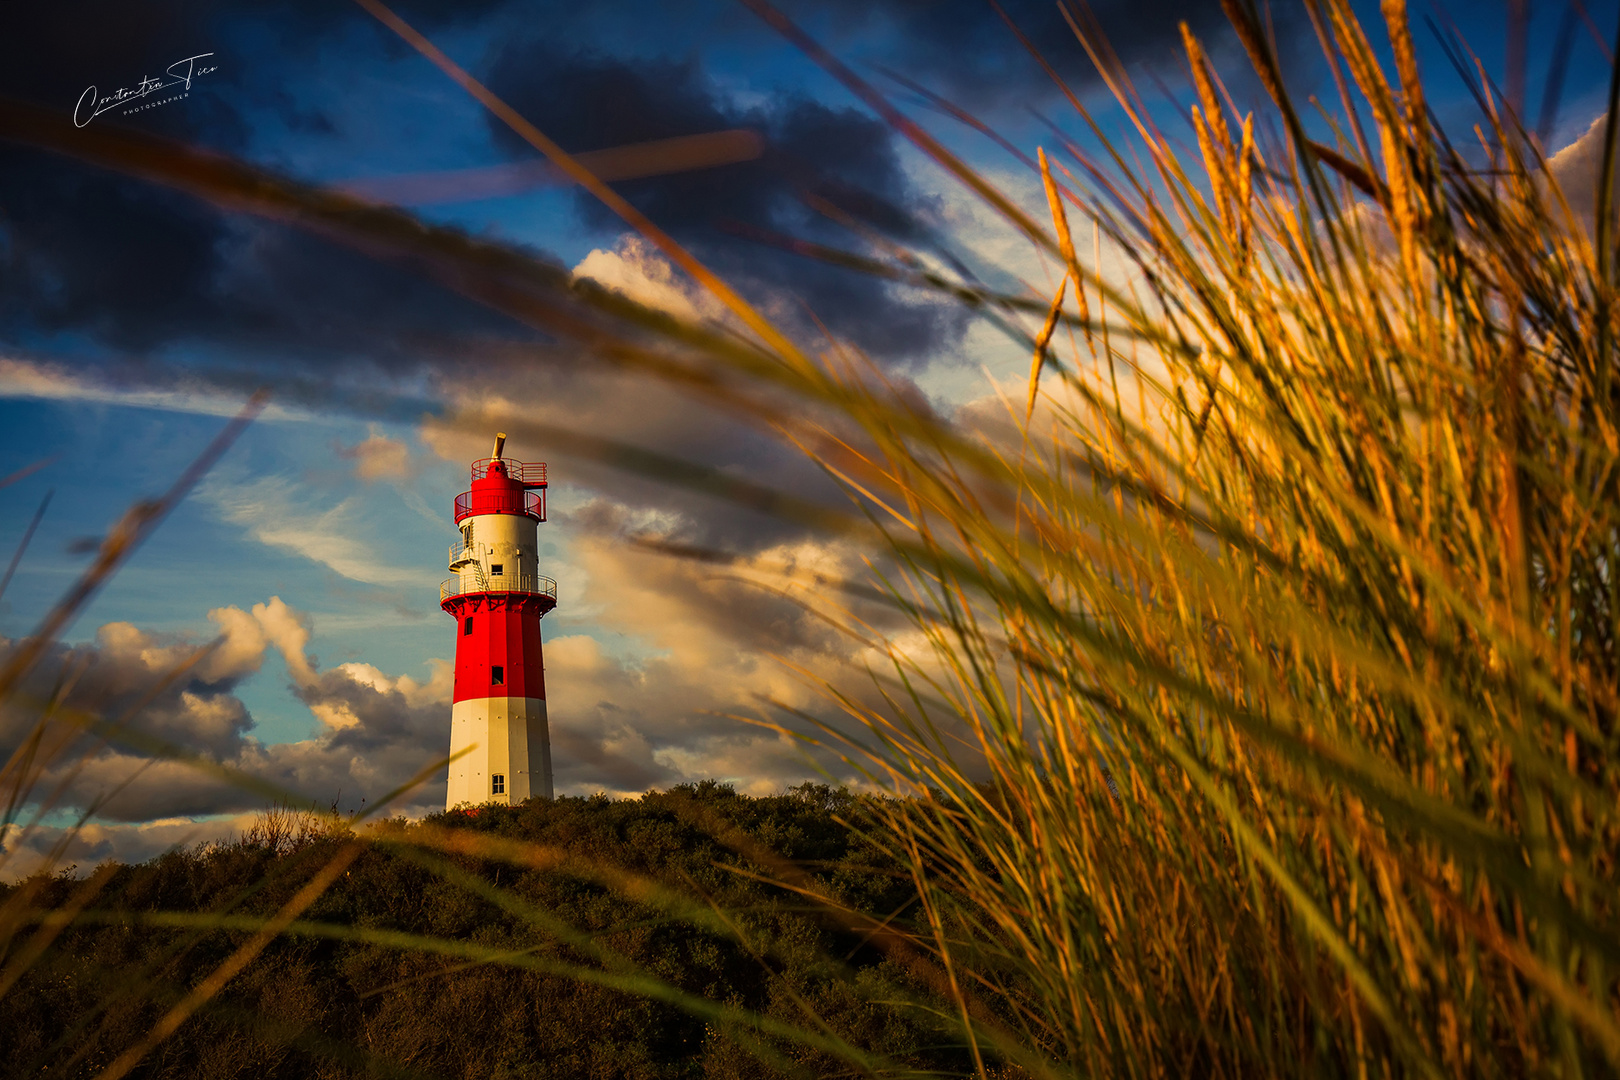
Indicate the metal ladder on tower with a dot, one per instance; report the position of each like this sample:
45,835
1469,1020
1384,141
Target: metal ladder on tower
464,555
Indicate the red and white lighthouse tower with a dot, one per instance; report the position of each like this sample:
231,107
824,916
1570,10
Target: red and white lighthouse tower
499,743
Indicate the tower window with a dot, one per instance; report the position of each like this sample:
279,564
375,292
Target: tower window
497,675
497,784
495,569
466,625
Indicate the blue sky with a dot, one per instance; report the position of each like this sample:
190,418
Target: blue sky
135,320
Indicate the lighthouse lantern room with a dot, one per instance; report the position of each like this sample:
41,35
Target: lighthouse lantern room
500,746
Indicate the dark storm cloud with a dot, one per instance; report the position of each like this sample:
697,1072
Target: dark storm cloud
136,268
123,267
94,253
117,264
965,50
590,101
50,52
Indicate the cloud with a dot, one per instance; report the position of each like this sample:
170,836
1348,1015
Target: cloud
535,406
704,645
58,382
696,645
113,268
634,268
587,101
123,269
24,851
963,48
50,54
1576,169
379,457
274,513
196,709
116,268
288,630
393,728
240,652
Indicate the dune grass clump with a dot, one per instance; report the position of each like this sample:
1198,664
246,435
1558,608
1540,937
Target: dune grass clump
1286,628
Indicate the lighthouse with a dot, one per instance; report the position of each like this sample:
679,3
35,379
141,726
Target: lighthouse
500,747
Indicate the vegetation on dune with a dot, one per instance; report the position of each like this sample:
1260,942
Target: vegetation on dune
454,947
1281,613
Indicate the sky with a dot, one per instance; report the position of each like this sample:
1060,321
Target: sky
135,320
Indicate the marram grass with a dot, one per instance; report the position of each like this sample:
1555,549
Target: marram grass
1258,713
1318,571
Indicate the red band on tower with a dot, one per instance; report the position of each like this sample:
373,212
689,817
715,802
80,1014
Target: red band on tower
505,634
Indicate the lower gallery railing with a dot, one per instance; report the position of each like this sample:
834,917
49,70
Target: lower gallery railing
519,583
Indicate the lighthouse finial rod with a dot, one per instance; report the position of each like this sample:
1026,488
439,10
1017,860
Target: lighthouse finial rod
500,442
